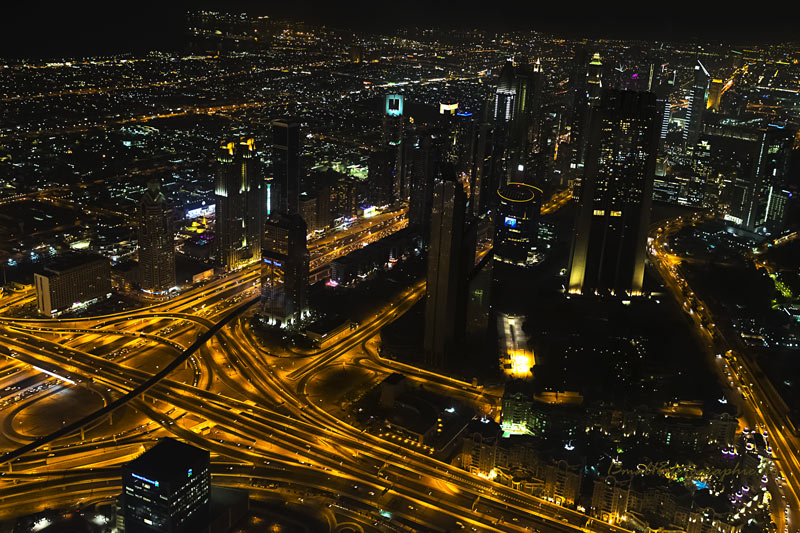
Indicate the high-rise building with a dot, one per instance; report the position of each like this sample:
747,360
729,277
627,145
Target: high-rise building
392,148
167,489
697,105
451,255
516,223
72,283
308,210
715,94
756,160
525,133
577,111
381,175
286,165
284,269
156,241
608,249
240,205
505,95
393,119
424,162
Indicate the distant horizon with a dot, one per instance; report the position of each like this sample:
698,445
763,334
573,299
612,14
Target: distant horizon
68,33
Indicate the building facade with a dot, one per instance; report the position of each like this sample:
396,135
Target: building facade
156,241
167,489
608,249
284,270
72,283
286,165
240,194
516,225
447,272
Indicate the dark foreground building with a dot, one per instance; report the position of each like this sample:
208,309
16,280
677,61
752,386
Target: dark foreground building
608,250
167,489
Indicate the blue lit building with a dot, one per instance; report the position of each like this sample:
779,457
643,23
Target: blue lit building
516,226
167,489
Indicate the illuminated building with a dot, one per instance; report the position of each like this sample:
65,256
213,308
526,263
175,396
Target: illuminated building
449,109
517,223
156,241
594,81
393,119
610,498
697,105
516,408
525,132
752,196
451,256
505,95
392,152
284,269
715,94
240,205
593,88
608,248
774,215
308,210
72,283
286,165
167,489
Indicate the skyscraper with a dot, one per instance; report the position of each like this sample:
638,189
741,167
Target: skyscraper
392,136
608,249
517,222
240,205
167,489
156,241
284,269
286,165
715,94
449,263
424,160
697,105
505,95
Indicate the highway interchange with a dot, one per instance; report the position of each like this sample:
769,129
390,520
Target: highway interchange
250,406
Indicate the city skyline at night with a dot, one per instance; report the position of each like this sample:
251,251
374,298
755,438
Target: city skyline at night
363,267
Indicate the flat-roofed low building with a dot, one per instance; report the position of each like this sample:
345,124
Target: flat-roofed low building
167,489
71,283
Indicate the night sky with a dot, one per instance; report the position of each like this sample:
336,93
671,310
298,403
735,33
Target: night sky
28,29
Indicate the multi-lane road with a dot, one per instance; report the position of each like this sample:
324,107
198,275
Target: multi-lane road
762,406
249,406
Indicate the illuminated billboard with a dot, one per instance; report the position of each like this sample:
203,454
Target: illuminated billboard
394,105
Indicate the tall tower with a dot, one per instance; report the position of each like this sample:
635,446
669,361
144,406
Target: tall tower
608,249
516,223
156,241
286,165
715,94
577,112
284,269
448,266
240,205
424,159
697,104
393,125
505,95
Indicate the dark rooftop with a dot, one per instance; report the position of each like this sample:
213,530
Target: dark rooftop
168,458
